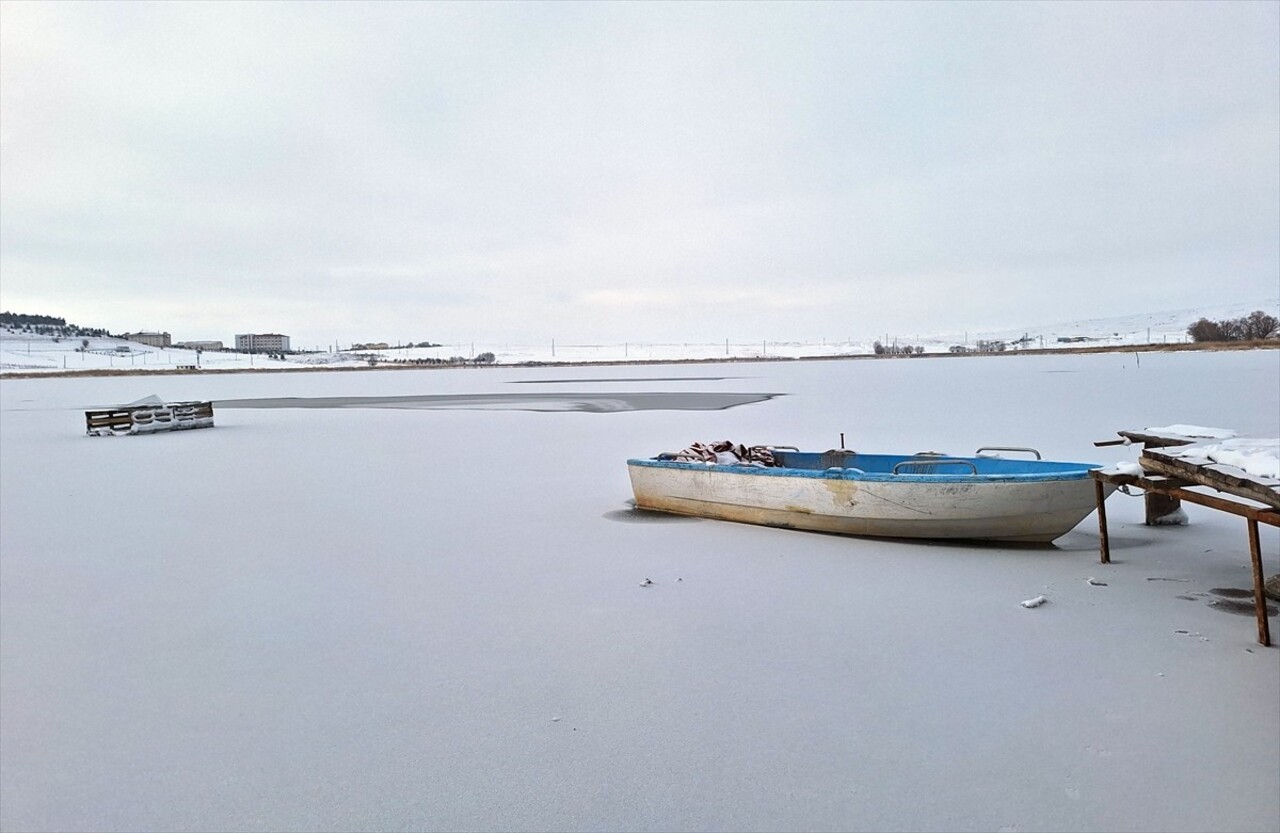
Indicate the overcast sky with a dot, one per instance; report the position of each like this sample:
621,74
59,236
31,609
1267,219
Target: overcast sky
634,171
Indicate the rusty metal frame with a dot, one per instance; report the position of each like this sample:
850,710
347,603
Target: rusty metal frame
1176,488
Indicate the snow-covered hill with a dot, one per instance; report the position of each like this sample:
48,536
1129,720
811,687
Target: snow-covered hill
1165,327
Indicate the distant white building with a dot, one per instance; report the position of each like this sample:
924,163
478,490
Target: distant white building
149,339
199,345
262,343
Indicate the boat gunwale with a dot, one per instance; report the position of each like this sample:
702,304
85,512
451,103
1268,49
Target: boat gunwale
1076,471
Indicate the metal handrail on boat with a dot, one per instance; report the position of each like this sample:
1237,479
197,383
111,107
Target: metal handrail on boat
932,461
1008,448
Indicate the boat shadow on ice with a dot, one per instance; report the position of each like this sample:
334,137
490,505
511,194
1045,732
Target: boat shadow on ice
635,515
1073,542
1080,541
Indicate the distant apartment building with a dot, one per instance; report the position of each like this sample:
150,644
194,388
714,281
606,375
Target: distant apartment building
199,345
149,339
262,343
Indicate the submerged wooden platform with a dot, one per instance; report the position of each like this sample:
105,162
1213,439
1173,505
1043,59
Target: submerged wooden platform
148,418
1172,476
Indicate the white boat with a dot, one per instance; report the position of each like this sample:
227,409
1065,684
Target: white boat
879,495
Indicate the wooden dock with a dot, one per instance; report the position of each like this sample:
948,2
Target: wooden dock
148,418
1171,476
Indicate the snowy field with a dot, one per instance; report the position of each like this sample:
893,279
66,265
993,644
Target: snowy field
432,618
26,353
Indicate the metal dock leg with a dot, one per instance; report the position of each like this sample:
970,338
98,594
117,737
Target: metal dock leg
1102,520
1259,592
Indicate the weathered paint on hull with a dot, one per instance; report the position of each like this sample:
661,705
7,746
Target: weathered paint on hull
1021,512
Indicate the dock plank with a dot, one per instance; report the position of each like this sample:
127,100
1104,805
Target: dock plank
1216,476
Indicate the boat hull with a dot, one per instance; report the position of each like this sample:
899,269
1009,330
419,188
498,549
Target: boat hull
1037,511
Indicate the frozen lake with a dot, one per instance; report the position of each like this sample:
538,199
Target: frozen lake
401,616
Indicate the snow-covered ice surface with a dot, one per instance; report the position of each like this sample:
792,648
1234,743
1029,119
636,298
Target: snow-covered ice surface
376,619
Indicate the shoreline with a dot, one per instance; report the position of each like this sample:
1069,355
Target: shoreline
1225,346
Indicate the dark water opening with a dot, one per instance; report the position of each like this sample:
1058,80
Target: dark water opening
1240,608
625,379
600,403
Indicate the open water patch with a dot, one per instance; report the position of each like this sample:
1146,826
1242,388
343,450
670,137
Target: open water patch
1237,600
596,403
626,379
1240,607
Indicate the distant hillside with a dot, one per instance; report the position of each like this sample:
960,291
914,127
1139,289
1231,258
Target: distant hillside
1166,326
47,325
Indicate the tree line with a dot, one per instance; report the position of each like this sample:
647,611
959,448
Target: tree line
483,358
47,325
1255,326
896,349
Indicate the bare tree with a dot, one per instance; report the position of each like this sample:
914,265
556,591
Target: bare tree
1205,330
1259,325
1256,326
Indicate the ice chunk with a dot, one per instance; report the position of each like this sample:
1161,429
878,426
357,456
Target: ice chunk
146,400
1175,518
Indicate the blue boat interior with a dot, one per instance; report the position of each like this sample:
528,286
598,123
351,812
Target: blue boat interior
851,465
918,463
